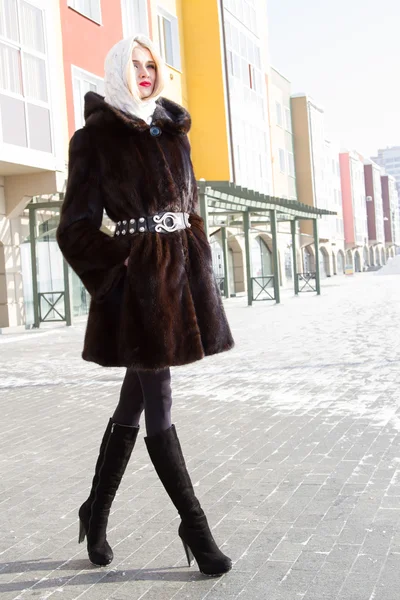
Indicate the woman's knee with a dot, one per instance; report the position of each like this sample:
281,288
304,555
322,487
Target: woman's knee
156,386
131,401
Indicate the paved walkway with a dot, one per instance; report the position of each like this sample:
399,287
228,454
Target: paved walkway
292,440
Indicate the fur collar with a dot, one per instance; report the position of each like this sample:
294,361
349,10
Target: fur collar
168,115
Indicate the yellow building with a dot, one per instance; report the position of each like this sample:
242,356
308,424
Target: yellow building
189,35
217,57
226,62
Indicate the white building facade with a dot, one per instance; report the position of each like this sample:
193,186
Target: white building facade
359,200
389,159
245,25
283,168
32,132
394,210
331,229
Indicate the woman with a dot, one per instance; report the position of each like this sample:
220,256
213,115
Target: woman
154,300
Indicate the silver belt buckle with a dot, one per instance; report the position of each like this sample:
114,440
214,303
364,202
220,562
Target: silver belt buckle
169,222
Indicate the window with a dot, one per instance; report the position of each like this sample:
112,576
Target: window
243,44
24,99
89,8
83,82
9,20
35,78
135,17
230,62
250,51
168,35
32,27
282,161
245,73
291,164
235,37
236,65
261,258
10,69
279,114
288,120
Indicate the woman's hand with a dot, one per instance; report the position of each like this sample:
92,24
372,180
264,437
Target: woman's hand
126,261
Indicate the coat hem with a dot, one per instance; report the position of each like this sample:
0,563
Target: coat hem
102,363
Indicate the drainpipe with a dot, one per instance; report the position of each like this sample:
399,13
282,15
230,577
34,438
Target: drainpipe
227,91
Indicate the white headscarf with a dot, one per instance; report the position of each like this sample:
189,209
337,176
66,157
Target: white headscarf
117,92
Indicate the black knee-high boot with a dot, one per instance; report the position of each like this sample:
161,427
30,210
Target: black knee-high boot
115,451
166,455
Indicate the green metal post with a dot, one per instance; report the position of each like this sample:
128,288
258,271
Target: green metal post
204,206
246,227
316,245
294,256
32,239
225,251
275,255
67,297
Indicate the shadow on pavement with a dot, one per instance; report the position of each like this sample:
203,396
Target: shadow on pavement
87,576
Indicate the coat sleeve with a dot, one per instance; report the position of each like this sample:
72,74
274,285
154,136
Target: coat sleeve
194,201
96,258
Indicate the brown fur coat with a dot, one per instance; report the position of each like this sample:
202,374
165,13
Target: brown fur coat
164,309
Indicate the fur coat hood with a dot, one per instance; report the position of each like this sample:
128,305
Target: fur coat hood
164,308
168,115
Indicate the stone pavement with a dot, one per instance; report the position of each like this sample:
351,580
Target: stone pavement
292,440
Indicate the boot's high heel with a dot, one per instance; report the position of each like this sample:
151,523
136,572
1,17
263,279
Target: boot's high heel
189,554
82,532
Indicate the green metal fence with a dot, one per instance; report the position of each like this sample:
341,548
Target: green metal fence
307,282
263,288
52,307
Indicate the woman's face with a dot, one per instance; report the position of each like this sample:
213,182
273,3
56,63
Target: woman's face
145,71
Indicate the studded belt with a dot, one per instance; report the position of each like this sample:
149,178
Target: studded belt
163,222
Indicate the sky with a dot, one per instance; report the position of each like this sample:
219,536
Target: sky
344,54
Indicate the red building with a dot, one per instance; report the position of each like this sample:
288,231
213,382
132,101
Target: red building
89,29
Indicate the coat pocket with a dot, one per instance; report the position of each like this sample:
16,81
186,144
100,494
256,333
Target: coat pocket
111,282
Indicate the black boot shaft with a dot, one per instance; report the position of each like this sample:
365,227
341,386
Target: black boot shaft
115,452
166,455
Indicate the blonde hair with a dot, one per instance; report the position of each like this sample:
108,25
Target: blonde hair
145,42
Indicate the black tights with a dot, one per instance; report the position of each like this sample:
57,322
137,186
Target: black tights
149,391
